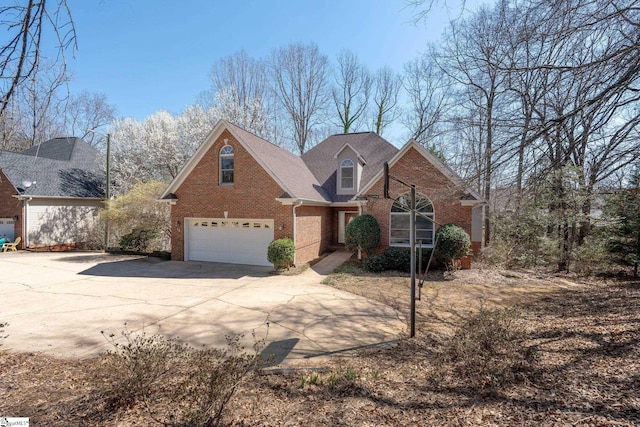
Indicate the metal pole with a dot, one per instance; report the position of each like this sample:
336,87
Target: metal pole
107,193
412,243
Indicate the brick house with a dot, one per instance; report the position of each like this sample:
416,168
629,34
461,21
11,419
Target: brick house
239,192
50,194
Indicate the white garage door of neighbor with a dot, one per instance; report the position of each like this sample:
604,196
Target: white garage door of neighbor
7,228
233,240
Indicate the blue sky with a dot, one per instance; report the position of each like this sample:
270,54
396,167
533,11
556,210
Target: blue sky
148,55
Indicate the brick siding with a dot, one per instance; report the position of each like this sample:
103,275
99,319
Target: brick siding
412,168
252,195
314,233
10,207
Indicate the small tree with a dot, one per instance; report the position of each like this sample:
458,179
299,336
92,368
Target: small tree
139,212
281,253
622,212
362,234
453,243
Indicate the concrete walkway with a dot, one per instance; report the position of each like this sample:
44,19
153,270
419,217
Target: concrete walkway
332,261
58,303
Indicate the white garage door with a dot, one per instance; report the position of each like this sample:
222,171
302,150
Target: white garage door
233,240
7,228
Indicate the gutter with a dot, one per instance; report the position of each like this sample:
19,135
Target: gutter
295,206
29,197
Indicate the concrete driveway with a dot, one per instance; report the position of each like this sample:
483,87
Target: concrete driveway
58,303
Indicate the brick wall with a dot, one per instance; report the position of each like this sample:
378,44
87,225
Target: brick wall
10,206
252,195
412,168
314,232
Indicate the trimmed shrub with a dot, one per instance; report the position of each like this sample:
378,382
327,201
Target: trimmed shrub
398,259
362,234
453,243
281,253
376,263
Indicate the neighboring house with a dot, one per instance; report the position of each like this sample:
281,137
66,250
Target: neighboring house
50,194
239,192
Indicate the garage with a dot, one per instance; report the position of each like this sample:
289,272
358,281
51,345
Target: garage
7,228
230,240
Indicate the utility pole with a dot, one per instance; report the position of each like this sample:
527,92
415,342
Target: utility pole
107,187
107,193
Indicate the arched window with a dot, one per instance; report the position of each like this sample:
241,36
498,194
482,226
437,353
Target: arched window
400,219
226,165
346,175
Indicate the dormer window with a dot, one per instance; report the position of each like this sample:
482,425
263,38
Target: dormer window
346,175
226,165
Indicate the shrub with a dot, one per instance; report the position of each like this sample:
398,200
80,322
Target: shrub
138,209
398,259
453,243
138,240
132,368
486,351
281,253
362,234
376,263
176,383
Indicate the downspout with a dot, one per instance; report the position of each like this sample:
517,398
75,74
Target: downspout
359,214
25,222
295,206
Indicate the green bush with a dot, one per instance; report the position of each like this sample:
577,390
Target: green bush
376,263
453,243
362,234
398,259
281,253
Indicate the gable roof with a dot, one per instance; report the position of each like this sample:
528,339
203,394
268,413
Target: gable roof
63,167
312,177
370,146
286,169
470,196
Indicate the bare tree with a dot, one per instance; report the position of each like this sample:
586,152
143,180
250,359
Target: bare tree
425,87
35,109
245,76
85,111
386,91
299,75
472,56
352,90
25,27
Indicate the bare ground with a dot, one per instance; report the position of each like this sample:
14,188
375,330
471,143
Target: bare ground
584,336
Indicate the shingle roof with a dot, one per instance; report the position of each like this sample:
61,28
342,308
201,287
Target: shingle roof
63,167
374,149
289,169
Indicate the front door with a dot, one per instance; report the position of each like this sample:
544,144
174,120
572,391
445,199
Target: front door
344,218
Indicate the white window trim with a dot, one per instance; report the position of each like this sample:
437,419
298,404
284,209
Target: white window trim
222,156
353,174
431,215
